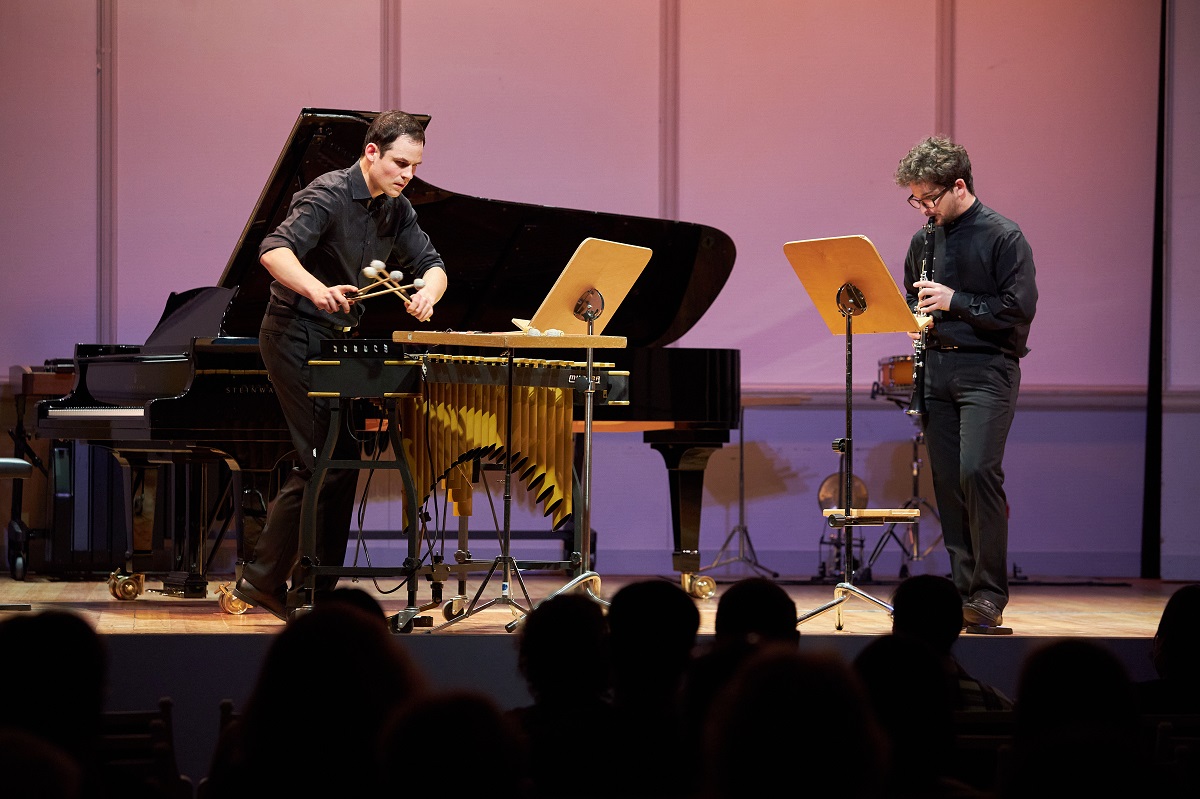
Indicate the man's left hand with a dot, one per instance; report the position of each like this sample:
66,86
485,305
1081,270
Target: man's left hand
420,305
932,296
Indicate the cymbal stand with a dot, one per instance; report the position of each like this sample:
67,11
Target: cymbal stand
850,302
504,561
745,547
911,551
588,308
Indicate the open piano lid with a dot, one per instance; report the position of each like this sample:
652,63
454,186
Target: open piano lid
502,257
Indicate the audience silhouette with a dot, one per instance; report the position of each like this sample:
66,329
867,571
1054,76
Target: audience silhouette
912,696
1077,725
59,700
751,613
652,631
1175,651
928,607
487,757
626,703
788,718
32,766
330,680
563,654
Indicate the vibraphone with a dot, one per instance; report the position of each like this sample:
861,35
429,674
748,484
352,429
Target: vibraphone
445,410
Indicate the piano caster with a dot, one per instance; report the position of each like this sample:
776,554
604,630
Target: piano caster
228,602
126,587
699,586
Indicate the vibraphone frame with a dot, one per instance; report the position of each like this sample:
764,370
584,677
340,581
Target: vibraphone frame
386,374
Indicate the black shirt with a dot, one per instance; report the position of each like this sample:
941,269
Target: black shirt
335,229
985,258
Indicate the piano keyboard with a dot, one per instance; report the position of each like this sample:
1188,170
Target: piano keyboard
96,413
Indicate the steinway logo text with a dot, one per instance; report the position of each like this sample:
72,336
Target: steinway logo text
255,388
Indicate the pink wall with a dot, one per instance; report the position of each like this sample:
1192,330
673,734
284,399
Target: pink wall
791,119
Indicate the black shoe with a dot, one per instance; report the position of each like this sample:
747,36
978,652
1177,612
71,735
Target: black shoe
981,613
274,605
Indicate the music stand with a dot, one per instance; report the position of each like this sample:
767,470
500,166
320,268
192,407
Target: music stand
846,278
597,264
599,269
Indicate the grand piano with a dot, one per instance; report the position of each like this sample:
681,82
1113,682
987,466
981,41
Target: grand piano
502,258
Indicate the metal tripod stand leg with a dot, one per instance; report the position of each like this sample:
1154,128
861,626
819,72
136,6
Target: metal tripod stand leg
842,592
745,547
504,560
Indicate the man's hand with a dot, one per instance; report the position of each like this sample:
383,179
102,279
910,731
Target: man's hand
420,305
932,296
333,298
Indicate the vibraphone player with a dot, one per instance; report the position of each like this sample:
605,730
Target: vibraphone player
336,226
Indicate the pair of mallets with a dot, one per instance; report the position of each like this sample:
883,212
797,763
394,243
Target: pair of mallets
384,283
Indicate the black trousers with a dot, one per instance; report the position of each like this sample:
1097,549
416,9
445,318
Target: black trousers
287,344
970,399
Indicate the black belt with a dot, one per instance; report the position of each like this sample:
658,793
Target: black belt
974,350
274,309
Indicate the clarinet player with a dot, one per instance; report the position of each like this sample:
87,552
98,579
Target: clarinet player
980,291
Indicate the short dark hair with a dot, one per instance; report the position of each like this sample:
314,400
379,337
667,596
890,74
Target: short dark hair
936,161
392,125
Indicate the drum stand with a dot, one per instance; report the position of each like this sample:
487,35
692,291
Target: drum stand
911,551
744,545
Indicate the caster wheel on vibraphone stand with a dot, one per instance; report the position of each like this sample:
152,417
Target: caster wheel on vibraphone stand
453,609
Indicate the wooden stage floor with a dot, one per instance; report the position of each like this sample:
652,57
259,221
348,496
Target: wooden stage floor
1039,607
195,653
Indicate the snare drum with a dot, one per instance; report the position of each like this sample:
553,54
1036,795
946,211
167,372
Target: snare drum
896,374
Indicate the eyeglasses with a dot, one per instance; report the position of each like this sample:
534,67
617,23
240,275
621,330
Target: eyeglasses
927,202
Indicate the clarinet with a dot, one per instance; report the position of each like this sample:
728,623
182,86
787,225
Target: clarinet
916,406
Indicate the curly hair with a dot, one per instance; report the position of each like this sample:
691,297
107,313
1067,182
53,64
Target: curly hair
936,161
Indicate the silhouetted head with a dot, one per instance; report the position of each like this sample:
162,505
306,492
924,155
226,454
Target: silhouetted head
756,609
497,766
652,626
654,612
329,681
928,607
805,700
1176,647
1075,705
563,652
60,696
912,695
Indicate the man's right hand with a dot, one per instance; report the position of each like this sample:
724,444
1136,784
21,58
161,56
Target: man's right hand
333,298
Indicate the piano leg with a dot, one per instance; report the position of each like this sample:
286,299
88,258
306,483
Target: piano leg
686,461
